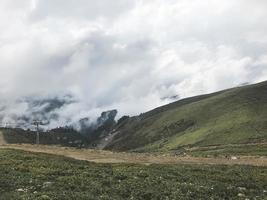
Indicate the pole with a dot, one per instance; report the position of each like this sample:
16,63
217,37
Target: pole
38,134
37,123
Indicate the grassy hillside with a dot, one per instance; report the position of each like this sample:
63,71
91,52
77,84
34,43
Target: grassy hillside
40,176
234,116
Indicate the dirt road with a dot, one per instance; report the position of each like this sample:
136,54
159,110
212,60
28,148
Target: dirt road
100,156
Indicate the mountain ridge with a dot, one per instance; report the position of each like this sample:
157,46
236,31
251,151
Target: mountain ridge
222,119
237,115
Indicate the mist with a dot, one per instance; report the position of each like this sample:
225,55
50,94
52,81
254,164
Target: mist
63,61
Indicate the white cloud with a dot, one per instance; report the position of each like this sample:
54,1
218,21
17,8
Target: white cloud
128,55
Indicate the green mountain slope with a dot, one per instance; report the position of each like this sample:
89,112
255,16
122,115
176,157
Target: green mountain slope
234,116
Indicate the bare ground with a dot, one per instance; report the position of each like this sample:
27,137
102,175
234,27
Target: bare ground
100,156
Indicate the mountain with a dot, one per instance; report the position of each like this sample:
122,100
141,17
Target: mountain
22,112
100,128
233,116
87,134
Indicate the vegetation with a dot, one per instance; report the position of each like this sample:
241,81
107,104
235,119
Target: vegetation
234,116
240,150
63,136
26,175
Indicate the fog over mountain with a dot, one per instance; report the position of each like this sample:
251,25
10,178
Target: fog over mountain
63,61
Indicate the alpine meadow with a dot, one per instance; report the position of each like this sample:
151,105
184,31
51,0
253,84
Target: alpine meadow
133,100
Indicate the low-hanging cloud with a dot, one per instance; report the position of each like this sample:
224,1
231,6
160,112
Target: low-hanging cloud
91,56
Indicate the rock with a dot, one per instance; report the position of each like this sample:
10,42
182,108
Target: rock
241,188
47,184
45,197
233,158
20,190
241,195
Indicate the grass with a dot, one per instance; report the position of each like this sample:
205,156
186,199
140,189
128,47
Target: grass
242,150
26,175
235,116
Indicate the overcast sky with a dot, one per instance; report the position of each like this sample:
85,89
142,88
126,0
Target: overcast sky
131,55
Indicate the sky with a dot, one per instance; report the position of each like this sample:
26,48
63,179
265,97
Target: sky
129,55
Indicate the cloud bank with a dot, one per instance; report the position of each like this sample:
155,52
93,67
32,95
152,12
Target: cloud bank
131,55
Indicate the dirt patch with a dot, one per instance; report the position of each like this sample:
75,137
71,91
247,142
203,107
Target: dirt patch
100,156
